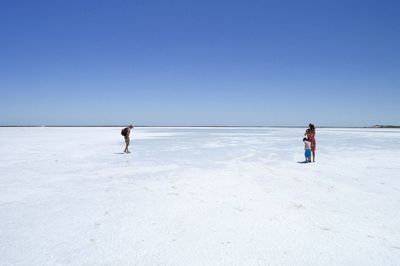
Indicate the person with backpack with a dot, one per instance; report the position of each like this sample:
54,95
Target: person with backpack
126,132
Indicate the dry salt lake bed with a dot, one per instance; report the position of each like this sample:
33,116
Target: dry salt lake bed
199,196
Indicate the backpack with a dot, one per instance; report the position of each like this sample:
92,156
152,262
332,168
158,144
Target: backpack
124,132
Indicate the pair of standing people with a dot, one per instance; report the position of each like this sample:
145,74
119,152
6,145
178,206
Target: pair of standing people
310,143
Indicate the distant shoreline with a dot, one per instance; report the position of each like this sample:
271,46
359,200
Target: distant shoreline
375,126
384,126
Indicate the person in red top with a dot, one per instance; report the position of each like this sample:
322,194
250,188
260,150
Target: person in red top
310,133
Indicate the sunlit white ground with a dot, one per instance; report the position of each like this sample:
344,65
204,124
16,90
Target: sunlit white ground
199,196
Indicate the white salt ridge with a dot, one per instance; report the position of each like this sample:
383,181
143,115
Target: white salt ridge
199,196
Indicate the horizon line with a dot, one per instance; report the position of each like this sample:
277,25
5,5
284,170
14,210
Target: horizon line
216,126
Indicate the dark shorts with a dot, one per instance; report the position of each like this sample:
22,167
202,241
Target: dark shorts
127,140
307,153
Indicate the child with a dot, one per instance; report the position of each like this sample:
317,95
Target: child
307,149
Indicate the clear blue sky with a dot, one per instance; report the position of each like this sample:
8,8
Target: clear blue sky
200,62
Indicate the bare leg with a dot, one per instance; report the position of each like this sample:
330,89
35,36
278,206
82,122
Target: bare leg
313,156
126,146
127,142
